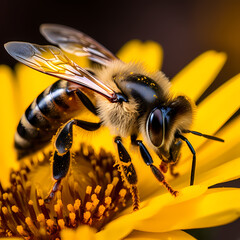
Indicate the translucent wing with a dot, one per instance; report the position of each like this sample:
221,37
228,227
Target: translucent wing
76,42
52,61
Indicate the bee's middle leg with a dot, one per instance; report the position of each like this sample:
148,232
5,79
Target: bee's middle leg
62,154
128,172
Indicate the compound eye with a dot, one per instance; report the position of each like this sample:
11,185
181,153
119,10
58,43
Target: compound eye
155,127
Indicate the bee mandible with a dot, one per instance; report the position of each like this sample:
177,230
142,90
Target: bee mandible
127,99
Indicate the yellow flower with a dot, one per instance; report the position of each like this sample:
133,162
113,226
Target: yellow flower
94,195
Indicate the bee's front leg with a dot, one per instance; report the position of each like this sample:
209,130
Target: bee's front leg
62,154
128,172
149,161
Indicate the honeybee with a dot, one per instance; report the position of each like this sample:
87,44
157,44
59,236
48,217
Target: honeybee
127,99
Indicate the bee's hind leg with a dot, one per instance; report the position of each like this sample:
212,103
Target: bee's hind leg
62,154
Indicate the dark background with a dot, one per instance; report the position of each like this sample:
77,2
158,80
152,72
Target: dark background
185,29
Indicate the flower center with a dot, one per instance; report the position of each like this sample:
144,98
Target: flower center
92,193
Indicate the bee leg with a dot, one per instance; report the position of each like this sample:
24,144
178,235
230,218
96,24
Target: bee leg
157,173
60,169
64,136
86,101
128,172
62,154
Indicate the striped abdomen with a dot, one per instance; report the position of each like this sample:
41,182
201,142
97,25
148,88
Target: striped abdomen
44,116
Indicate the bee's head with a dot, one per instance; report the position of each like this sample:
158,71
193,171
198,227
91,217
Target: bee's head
163,122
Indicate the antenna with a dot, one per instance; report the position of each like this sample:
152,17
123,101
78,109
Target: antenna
203,135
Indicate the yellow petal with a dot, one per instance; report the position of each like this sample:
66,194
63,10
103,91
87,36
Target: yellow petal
226,172
123,225
194,79
215,149
31,84
173,235
149,53
83,232
215,207
8,122
216,109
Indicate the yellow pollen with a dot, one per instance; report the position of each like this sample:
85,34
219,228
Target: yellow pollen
59,202
70,208
4,210
15,208
95,202
97,189
41,202
57,208
77,204
41,218
72,217
122,193
86,216
21,230
115,181
88,190
101,210
108,190
30,202
93,197
28,221
108,201
61,223
89,206
5,196
50,223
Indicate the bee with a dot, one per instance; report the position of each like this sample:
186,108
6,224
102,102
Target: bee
127,99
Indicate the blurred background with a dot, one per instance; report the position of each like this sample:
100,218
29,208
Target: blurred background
185,29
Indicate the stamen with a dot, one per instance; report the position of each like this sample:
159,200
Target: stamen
18,213
70,208
21,231
86,216
61,223
72,217
24,213
108,190
41,218
77,204
97,189
32,227
31,210
50,224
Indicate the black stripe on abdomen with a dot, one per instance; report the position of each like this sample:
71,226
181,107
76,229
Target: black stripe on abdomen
54,106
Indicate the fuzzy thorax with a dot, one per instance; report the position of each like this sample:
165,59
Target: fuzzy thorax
122,118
